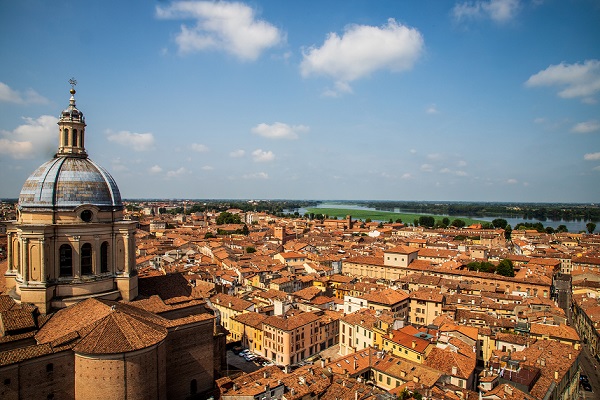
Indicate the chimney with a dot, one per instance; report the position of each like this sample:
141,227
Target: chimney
508,389
402,374
414,344
543,362
415,379
322,363
556,375
266,374
570,356
454,370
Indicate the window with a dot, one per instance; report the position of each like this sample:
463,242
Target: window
86,259
74,137
388,381
193,387
49,367
104,257
66,260
66,136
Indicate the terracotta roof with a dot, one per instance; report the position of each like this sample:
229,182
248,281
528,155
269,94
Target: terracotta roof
232,302
444,360
386,296
291,322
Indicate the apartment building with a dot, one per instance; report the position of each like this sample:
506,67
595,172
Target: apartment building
425,306
291,338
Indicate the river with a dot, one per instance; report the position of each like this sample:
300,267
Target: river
572,226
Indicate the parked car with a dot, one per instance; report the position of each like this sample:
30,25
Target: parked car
583,378
236,350
244,352
249,357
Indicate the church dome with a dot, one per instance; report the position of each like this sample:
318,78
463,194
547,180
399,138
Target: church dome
70,179
68,182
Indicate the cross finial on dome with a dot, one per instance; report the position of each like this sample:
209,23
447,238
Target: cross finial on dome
72,82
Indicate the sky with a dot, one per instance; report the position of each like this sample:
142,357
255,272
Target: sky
479,100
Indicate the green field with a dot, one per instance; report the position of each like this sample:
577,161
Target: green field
382,215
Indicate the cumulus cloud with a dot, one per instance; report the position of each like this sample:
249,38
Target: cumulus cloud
574,80
262,156
29,96
34,137
362,50
135,141
207,168
177,173
227,26
496,10
200,148
592,156
156,169
453,172
258,175
279,130
427,168
512,181
406,175
237,153
586,127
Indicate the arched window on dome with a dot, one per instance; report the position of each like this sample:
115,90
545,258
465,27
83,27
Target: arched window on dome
104,257
74,137
65,137
86,259
66,260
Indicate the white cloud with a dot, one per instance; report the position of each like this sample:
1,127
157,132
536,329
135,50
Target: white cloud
35,136
413,151
432,109
427,167
177,173
136,141
30,96
592,156
575,80
462,163
279,130
512,181
263,156
586,127
496,10
207,168
156,169
258,175
362,50
200,148
237,153
406,175
230,27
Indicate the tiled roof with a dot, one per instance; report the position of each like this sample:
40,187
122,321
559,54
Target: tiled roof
444,360
291,322
386,296
235,303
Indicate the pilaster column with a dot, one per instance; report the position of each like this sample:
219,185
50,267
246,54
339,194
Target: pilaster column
25,258
76,258
42,242
9,251
96,263
126,238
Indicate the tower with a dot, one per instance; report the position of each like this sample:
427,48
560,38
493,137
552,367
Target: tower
69,241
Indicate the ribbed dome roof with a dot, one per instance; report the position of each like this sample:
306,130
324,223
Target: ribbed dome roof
68,182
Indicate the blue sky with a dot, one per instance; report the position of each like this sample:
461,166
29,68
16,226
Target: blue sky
484,100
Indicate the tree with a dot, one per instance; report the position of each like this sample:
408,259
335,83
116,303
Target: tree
458,223
500,223
591,227
228,218
549,230
446,221
399,220
505,268
507,232
427,221
245,230
562,229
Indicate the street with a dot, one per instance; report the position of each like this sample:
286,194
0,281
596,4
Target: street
589,367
